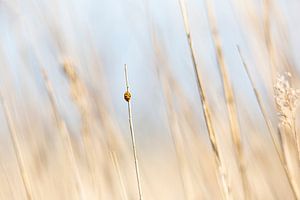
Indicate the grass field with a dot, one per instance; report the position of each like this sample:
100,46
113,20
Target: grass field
207,107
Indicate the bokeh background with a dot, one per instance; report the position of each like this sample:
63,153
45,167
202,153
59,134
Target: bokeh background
98,38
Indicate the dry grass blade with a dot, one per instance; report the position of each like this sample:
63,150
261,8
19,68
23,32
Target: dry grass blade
117,168
268,38
114,146
17,149
287,102
127,97
206,110
271,131
79,97
65,135
175,132
164,75
78,94
229,99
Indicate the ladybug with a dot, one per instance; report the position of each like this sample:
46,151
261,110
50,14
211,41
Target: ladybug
127,96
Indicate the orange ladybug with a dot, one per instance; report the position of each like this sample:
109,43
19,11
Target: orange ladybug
127,96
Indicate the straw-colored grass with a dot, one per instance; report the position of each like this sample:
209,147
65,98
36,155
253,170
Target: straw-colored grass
229,99
206,110
18,150
65,136
293,183
202,132
127,97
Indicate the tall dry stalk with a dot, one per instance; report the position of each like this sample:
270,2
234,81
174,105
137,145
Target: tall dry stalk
127,97
287,102
175,123
274,57
229,99
114,147
177,140
17,150
206,111
80,94
65,136
268,38
292,182
115,159
278,51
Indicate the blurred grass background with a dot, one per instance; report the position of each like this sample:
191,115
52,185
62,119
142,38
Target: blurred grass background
96,38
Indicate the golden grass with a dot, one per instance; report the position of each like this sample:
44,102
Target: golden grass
17,149
206,111
65,136
293,183
127,97
77,146
229,99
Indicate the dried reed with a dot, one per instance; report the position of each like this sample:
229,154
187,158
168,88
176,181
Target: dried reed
206,110
127,97
175,124
268,38
65,135
292,182
229,99
78,94
287,102
17,150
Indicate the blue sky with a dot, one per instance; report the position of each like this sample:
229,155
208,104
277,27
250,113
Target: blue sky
120,31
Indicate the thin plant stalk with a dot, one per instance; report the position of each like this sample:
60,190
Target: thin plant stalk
298,143
206,110
79,94
8,181
295,135
132,135
268,39
164,75
292,182
116,166
175,135
65,135
112,148
229,100
17,149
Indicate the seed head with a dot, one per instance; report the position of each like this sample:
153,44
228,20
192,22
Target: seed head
286,98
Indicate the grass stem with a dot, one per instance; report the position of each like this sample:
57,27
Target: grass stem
271,131
132,135
206,111
17,149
